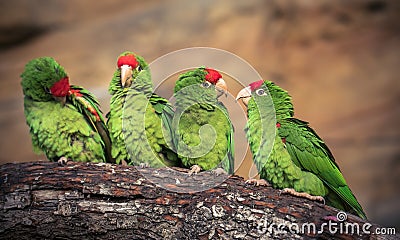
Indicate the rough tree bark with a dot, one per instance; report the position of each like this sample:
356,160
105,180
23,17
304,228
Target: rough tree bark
43,200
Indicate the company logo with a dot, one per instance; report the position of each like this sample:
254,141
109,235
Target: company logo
335,225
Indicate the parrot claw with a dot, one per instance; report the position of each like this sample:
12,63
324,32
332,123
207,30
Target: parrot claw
62,161
302,194
144,165
219,171
194,170
257,182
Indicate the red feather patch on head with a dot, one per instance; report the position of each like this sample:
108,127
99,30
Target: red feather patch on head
255,85
60,88
213,75
129,60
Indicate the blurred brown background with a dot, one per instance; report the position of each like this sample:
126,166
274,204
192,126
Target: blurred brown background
338,59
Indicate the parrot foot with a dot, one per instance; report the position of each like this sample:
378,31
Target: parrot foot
257,182
144,165
219,171
194,170
62,161
302,194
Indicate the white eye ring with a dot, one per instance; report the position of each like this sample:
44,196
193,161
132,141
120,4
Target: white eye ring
139,68
261,92
47,90
206,84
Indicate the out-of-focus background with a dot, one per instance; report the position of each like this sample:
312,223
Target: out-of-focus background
338,59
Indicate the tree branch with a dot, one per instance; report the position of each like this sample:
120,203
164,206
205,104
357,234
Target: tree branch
42,200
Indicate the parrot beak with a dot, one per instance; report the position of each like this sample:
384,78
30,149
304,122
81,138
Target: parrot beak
221,88
245,95
62,100
126,75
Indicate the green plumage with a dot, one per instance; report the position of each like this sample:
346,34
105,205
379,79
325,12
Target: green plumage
203,130
70,130
299,158
139,120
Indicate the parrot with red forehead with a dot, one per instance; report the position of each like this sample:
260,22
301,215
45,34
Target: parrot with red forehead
139,120
203,130
65,120
298,161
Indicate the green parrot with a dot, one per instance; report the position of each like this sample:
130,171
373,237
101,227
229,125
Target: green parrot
65,121
203,130
299,161
139,120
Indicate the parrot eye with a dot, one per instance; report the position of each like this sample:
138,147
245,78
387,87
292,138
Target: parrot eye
260,92
206,84
139,68
46,89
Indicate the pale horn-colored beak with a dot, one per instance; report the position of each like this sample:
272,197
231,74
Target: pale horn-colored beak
245,95
126,76
221,88
62,100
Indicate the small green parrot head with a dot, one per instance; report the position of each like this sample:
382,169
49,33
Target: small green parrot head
45,80
203,84
129,66
256,94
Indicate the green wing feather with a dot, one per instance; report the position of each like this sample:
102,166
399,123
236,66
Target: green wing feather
88,96
114,124
165,111
88,105
231,153
229,164
308,151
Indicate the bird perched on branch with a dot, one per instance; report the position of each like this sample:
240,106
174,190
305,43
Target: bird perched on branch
203,130
65,120
139,120
290,155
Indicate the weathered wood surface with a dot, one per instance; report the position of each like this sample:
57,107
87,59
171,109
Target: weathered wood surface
42,200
